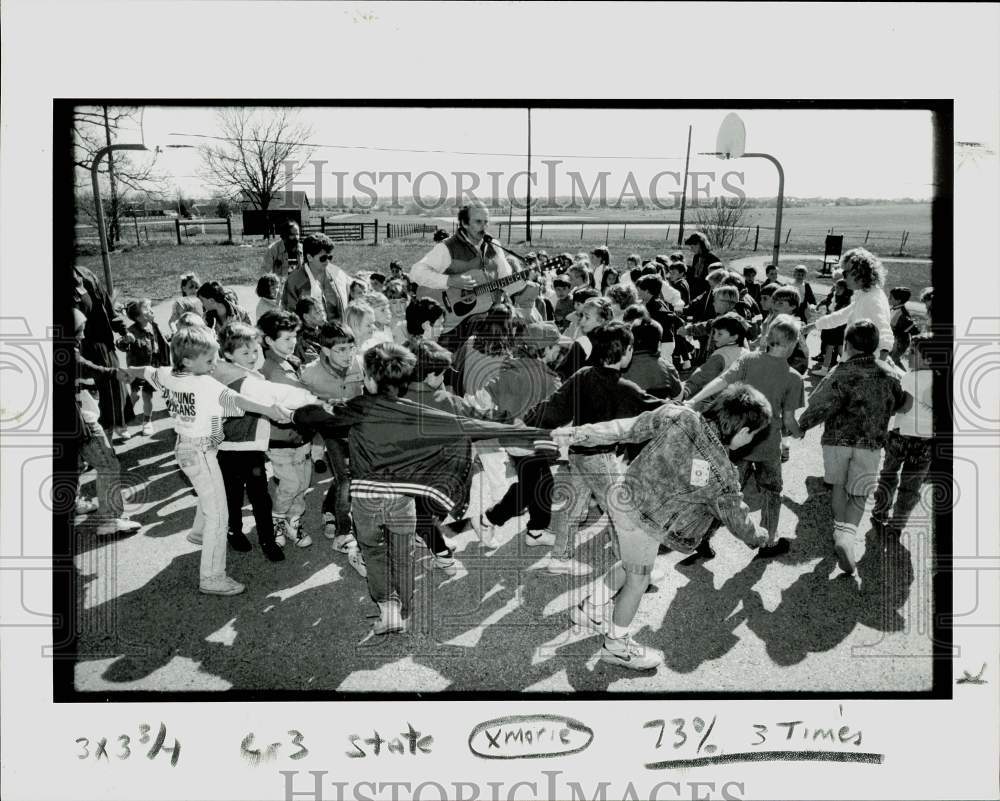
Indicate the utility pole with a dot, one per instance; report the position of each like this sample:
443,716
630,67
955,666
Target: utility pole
687,161
115,234
528,209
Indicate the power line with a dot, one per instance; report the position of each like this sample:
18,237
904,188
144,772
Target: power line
436,151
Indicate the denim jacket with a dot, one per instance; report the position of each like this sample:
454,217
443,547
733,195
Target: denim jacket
855,402
682,481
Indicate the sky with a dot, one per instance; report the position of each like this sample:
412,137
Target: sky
850,153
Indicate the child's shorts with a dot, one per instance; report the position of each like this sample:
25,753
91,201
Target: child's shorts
856,469
141,385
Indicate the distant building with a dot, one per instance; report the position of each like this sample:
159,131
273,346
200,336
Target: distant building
284,200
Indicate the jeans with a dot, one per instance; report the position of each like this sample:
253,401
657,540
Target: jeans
427,519
531,489
385,529
338,497
907,460
198,459
101,456
768,475
589,473
293,468
247,471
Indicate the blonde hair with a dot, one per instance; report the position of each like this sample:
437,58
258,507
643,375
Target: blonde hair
730,293
356,313
787,326
190,343
184,306
376,300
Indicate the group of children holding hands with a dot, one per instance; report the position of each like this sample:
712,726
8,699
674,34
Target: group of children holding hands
372,397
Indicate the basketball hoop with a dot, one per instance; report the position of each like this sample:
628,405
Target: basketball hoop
731,142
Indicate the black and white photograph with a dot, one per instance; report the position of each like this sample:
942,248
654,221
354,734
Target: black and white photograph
495,401
504,405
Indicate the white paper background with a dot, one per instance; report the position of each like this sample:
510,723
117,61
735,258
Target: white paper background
933,749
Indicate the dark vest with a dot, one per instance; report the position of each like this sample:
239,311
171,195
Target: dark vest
464,258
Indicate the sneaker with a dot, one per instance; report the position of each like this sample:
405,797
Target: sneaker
273,552
581,618
703,552
223,585
84,506
280,531
296,535
147,429
843,545
329,526
239,542
357,561
342,543
567,567
123,434
446,563
194,537
120,525
780,548
536,537
319,466
686,364
391,620
629,654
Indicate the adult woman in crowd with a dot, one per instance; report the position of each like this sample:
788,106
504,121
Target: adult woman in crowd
221,306
320,278
98,347
702,260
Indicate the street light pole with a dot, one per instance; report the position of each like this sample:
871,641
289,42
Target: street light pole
105,257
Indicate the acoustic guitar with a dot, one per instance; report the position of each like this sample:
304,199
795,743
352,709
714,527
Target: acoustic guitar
460,303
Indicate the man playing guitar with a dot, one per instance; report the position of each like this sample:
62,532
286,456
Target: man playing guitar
447,264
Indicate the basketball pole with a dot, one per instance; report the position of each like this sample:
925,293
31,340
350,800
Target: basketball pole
781,201
776,250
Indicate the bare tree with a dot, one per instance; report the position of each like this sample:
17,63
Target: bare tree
121,175
259,152
723,222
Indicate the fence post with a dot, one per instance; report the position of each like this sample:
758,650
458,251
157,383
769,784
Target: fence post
145,228
867,234
607,232
624,229
229,228
667,237
177,224
541,233
322,225
756,238
135,222
581,230
788,235
376,230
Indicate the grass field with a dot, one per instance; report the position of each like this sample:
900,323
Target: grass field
153,271
803,228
